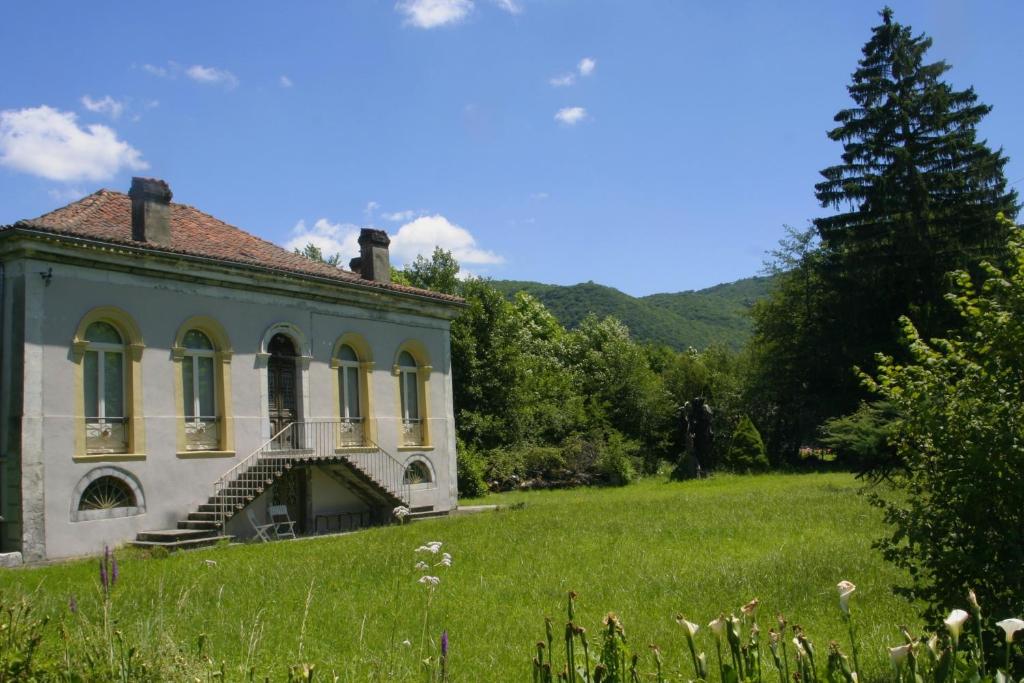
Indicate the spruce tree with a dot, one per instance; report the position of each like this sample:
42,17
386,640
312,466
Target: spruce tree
917,193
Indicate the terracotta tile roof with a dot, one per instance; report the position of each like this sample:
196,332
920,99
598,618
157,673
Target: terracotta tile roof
107,216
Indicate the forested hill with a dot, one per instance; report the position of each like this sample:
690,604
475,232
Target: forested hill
716,315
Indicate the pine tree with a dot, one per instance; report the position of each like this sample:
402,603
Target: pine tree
918,193
916,196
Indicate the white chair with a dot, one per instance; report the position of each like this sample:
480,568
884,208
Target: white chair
261,529
283,526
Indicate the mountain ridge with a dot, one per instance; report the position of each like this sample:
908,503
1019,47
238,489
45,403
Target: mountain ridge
697,318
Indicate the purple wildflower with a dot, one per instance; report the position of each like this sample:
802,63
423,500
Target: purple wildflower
113,571
73,605
103,575
444,643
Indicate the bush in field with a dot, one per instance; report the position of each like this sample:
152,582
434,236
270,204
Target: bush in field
862,439
617,462
957,512
746,451
471,467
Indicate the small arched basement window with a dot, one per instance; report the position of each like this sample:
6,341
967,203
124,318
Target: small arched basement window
106,493
418,472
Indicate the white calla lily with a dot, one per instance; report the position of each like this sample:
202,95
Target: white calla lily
898,655
955,623
845,589
1010,627
718,627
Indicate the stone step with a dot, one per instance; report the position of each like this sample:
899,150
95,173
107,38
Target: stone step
187,544
162,536
203,524
202,516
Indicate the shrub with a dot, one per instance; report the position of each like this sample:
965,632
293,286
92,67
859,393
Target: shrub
617,462
471,466
957,511
746,450
862,438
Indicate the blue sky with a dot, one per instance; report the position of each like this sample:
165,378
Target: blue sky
650,146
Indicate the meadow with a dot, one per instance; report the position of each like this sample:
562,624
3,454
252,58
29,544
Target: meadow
352,605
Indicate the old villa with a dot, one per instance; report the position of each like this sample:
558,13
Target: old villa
163,371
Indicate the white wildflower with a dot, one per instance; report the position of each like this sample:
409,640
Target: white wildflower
407,642
401,512
430,581
432,547
421,566
718,627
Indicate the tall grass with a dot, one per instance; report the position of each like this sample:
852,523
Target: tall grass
353,605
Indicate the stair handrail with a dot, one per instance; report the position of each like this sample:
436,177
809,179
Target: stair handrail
315,438
245,463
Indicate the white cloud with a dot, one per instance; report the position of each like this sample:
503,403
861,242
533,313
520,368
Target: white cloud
399,216
570,116
540,196
285,82
159,71
50,143
416,238
433,13
371,206
586,66
108,105
510,6
420,236
211,75
562,81
331,238
66,195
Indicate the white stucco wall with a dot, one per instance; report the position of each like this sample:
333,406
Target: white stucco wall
173,486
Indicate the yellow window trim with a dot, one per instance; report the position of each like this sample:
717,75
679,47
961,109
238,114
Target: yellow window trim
108,457
134,346
366,365
222,369
205,454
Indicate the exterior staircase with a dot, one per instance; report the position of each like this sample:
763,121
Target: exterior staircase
372,474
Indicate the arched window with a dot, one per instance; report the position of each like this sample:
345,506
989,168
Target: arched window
348,397
352,357
417,472
103,375
202,388
106,493
408,391
108,416
198,384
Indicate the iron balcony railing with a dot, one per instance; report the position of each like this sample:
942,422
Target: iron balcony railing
306,441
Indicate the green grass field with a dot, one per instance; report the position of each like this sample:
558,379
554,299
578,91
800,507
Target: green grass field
646,552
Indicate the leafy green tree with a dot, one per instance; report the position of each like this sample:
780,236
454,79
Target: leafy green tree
957,508
619,387
746,451
439,273
314,253
915,196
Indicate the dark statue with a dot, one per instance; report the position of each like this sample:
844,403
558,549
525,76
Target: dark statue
697,435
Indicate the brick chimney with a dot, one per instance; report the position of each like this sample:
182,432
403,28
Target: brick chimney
373,262
151,211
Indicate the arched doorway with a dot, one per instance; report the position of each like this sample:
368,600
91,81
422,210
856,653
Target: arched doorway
282,389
